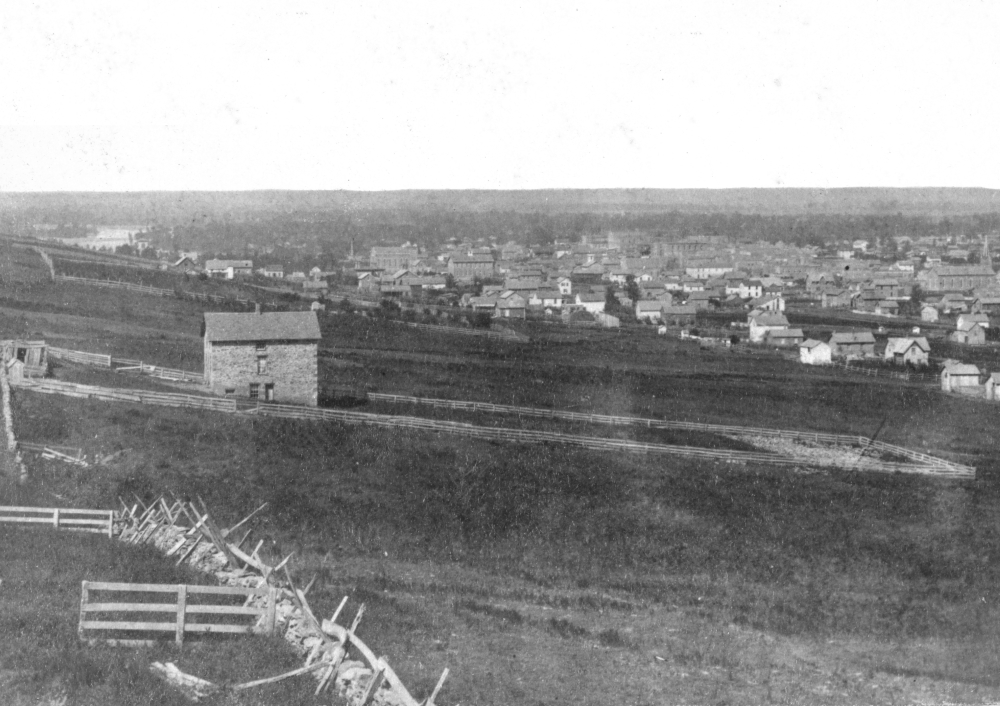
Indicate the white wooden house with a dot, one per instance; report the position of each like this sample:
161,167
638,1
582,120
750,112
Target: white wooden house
907,351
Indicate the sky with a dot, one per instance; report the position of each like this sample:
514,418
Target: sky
128,96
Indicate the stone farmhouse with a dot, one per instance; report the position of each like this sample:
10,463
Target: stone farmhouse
269,357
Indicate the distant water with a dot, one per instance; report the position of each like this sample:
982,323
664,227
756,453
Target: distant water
106,238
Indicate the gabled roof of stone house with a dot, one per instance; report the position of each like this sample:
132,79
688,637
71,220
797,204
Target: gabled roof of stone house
271,326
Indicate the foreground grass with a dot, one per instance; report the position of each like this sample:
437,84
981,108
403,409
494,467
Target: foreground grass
42,659
466,550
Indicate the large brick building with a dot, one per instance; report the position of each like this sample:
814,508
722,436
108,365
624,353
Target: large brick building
466,268
957,278
269,357
399,257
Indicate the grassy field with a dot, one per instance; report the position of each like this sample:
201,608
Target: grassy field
540,574
512,565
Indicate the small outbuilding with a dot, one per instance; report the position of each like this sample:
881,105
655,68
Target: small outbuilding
813,352
956,376
929,313
32,355
993,387
970,333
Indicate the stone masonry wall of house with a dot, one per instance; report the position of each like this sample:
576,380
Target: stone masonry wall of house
291,368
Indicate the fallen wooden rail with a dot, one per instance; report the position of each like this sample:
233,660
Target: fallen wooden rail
100,521
179,607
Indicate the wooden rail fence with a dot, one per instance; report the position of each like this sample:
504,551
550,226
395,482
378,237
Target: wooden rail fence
155,291
502,335
923,464
126,364
819,437
99,521
179,606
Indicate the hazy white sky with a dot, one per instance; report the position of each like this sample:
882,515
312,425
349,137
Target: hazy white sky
337,95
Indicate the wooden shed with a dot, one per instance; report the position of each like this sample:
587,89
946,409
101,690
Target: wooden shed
959,375
33,355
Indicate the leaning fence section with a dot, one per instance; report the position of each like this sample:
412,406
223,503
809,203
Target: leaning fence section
99,521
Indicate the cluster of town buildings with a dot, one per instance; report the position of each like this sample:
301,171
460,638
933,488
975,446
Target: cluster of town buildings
676,277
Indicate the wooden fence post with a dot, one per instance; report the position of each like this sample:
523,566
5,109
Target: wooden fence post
272,599
111,524
55,518
181,609
83,607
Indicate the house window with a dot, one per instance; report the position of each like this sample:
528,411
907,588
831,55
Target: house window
260,346
254,390
269,392
22,353
261,364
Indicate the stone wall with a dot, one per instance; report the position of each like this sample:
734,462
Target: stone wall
291,368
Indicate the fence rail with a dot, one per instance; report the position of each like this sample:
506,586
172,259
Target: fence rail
100,521
147,289
98,359
106,361
504,335
264,616
938,467
845,439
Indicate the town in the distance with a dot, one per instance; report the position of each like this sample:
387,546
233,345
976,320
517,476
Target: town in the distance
915,302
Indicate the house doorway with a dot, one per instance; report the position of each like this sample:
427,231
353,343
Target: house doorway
269,392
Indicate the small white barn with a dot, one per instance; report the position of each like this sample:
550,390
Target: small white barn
959,375
993,387
813,352
929,313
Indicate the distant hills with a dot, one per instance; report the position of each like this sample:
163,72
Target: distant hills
192,206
